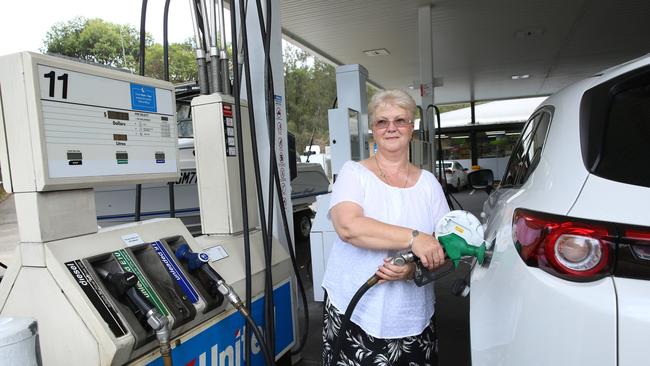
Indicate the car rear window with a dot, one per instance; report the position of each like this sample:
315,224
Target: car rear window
615,128
528,150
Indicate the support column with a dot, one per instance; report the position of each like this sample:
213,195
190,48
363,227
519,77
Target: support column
351,93
281,141
425,55
348,124
472,135
256,52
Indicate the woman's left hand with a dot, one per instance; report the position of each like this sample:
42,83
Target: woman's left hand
393,272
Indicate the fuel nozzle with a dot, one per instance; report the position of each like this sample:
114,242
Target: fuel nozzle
403,258
122,285
457,247
461,234
199,262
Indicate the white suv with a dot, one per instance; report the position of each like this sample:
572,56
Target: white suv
568,282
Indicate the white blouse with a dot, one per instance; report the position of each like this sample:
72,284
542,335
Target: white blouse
393,309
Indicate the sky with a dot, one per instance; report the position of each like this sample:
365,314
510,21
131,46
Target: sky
23,24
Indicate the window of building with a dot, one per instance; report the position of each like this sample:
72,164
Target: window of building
496,144
456,146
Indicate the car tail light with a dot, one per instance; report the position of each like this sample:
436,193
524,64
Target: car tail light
637,235
639,241
448,171
574,249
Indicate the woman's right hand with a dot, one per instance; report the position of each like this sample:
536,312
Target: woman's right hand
428,249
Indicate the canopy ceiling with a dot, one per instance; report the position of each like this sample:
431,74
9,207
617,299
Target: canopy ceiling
478,45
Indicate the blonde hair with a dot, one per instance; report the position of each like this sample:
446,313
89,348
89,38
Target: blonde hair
395,98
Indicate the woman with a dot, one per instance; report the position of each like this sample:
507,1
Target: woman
379,207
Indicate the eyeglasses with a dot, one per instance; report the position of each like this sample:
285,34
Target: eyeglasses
384,123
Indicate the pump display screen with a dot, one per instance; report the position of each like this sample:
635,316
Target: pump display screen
98,126
353,124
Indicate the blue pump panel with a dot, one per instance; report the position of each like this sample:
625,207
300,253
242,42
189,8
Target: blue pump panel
222,344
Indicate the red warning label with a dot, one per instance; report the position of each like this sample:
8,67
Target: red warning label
227,110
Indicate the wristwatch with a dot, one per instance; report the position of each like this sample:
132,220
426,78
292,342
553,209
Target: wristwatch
414,234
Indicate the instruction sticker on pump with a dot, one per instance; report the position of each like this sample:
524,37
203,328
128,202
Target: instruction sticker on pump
175,272
127,264
229,128
143,98
96,297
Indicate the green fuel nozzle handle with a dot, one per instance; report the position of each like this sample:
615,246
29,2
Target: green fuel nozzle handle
456,247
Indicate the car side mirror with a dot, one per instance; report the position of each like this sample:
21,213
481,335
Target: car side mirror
482,179
464,169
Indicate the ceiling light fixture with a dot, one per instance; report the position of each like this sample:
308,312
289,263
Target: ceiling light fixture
377,52
520,77
490,133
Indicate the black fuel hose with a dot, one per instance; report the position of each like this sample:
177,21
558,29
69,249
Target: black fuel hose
275,176
170,185
229,293
403,259
266,35
336,351
166,42
143,17
443,176
266,238
242,178
260,337
143,34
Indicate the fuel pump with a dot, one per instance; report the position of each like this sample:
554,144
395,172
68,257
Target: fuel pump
230,173
120,293
68,127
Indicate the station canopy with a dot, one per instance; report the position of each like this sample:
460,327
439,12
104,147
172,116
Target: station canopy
482,49
492,113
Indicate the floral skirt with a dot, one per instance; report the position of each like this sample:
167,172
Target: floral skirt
360,348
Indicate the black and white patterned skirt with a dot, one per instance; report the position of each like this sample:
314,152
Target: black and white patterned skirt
361,349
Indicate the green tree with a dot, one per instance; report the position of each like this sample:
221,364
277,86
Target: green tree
98,41
310,89
95,40
182,62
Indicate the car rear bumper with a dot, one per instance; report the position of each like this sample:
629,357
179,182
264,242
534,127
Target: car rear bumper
634,321
524,316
